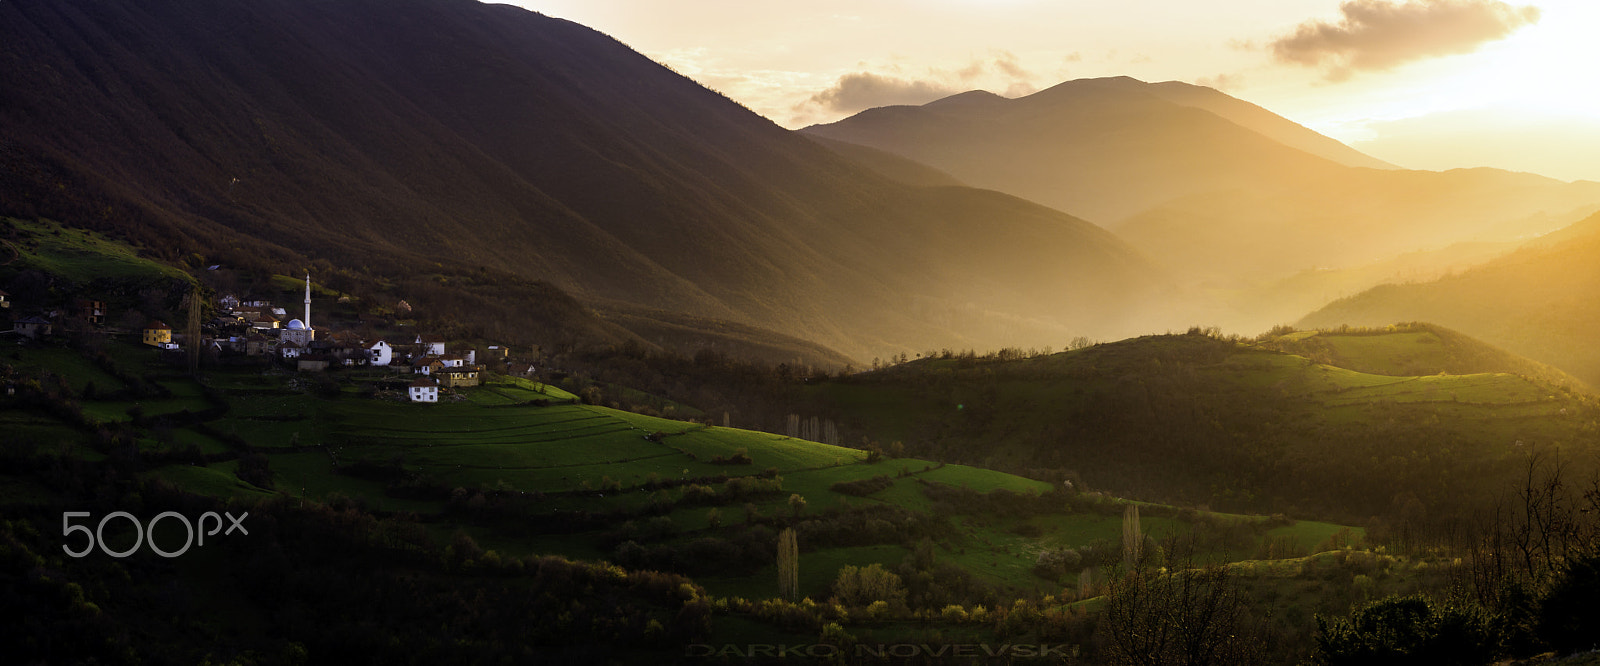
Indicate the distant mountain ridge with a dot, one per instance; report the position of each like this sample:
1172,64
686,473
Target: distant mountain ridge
1218,190
409,137
1103,148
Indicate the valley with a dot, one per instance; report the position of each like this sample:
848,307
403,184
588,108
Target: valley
609,368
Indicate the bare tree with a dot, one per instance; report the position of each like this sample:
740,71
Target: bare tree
1180,614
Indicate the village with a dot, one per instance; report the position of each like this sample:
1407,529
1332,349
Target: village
255,330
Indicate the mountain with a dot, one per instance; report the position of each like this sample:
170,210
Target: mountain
1101,148
1256,119
1223,193
891,165
449,143
1540,302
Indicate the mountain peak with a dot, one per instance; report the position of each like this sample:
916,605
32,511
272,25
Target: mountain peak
968,98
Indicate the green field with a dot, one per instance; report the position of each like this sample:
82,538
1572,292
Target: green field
85,256
526,469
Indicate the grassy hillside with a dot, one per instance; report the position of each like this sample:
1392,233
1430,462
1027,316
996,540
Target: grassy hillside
499,481
1200,420
1538,302
45,265
1410,350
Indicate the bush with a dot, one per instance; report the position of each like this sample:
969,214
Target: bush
740,457
1569,614
1409,630
1053,564
862,487
255,470
858,587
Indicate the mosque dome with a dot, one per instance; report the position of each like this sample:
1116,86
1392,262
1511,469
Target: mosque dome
296,325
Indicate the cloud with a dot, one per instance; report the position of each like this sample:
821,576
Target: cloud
1224,82
1006,63
1377,35
865,89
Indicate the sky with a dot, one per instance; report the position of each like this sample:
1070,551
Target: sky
1426,84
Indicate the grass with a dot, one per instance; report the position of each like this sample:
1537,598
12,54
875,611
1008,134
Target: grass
1310,535
69,363
216,480
85,256
983,480
118,410
497,438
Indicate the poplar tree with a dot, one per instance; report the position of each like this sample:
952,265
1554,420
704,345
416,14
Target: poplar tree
1132,536
788,565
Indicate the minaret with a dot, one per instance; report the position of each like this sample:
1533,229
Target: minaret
308,302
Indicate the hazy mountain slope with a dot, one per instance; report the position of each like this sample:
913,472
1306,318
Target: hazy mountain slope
1101,148
384,136
1349,218
1542,301
1221,192
1262,121
889,164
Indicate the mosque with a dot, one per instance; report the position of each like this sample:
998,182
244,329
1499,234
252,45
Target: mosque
299,331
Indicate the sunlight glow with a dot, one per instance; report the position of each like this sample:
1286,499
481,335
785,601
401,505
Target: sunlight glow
835,58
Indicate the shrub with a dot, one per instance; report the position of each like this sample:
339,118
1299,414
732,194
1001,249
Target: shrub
255,470
862,487
740,457
1053,564
1568,615
1409,630
862,586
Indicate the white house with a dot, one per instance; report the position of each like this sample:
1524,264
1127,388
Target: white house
380,352
431,345
424,390
452,361
290,349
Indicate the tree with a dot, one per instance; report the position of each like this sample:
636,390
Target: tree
862,586
788,564
1183,615
797,504
256,470
191,330
1568,615
1409,630
1132,537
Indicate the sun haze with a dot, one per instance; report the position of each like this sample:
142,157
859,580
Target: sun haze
1373,73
